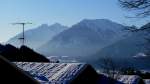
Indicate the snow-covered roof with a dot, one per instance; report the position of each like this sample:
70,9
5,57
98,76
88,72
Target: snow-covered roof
57,73
147,81
129,79
140,55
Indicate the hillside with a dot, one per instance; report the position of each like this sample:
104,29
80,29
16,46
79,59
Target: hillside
126,50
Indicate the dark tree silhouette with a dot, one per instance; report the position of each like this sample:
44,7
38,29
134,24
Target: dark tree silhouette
141,6
109,67
22,54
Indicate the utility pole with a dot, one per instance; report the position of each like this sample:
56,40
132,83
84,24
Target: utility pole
23,34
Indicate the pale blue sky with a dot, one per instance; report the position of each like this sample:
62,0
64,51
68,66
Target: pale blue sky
66,12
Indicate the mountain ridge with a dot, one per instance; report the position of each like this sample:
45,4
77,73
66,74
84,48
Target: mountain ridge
87,35
38,36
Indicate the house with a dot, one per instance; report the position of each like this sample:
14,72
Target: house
60,73
10,74
147,81
130,79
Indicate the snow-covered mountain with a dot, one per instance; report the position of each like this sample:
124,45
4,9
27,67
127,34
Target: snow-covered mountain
38,36
84,38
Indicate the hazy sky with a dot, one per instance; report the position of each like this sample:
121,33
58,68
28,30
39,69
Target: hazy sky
66,12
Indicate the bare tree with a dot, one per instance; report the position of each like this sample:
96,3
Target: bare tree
109,67
141,6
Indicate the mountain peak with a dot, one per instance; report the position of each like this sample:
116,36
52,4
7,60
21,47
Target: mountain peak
103,22
53,25
96,20
44,25
56,25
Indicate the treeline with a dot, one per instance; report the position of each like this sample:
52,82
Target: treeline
22,54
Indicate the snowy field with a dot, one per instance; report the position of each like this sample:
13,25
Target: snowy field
147,81
52,73
129,79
